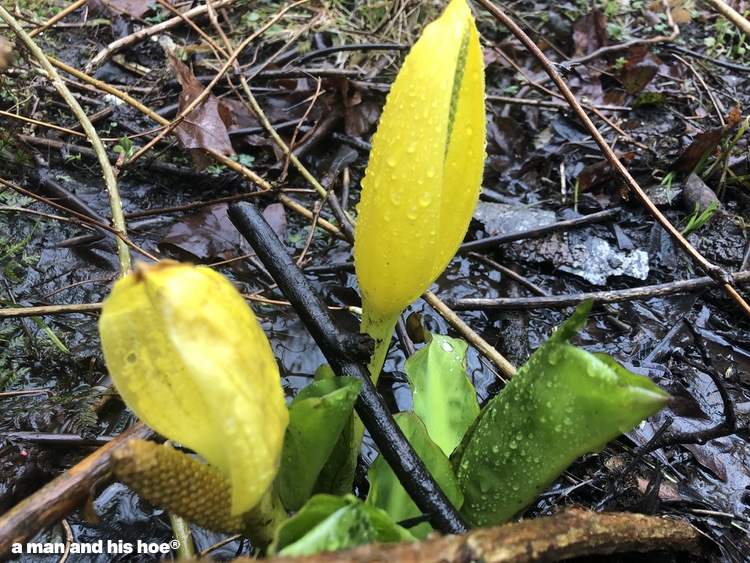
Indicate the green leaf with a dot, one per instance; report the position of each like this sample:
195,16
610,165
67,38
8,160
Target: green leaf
317,416
52,336
328,523
337,475
386,491
443,397
563,403
568,330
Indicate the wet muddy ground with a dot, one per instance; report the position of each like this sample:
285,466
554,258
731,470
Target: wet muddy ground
663,106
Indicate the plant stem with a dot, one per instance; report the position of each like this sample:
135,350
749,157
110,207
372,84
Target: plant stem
381,331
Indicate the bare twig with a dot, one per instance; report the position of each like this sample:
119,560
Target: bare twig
551,103
714,101
467,332
223,159
41,123
116,46
279,141
496,240
61,495
731,14
618,296
230,62
57,17
18,312
728,426
88,221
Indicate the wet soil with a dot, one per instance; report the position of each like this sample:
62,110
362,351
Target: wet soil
54,386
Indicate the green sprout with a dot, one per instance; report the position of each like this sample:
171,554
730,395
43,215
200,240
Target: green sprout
125,148
697,218
667,183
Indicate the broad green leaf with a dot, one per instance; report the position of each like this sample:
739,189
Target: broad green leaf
386,491
188,356
442,396
337,475
564,402
317,415
424,175
328,523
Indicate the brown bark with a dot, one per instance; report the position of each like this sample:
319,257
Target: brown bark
571,533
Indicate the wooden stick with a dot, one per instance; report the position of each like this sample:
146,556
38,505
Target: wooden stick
571,533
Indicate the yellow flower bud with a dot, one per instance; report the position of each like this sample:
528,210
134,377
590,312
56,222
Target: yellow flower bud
188,356
425,171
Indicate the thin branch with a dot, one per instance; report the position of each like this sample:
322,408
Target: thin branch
728,426
473,338
322,192
59,497
223,159
497,240
230,62
731,14
15,313
573,299
57,17
144,33
572,533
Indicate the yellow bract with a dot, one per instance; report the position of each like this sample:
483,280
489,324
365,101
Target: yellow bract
425,171
189,358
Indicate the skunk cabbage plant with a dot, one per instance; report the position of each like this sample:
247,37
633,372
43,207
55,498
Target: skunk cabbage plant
188,356
424,175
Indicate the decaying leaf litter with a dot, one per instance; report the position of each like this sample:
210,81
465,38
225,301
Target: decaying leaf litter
670,106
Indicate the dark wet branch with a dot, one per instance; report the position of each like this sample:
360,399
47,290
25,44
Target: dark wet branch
725,428
493,241
666,437
341,48
344,351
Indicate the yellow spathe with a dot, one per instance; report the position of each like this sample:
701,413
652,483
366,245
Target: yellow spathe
188,356
423,180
